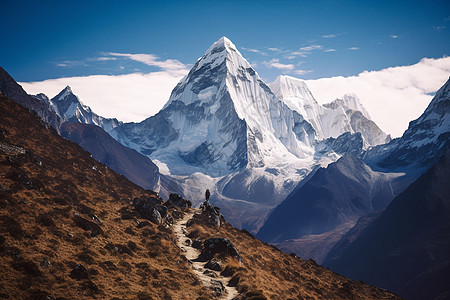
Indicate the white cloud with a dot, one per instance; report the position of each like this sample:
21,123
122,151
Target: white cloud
330,50
353,48
274,49
310,48
394,36
294,54
329,36
131,97
302,72
393,96
254,51
170,65
105,58
275,63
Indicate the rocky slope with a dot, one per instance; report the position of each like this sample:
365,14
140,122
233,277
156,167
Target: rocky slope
10,88
406,248
71,228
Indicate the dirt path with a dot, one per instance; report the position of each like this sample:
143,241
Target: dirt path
212,278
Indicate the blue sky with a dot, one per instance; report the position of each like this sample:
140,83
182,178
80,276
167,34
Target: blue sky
52,39
124,58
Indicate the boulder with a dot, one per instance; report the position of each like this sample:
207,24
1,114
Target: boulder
177,200
197,244
79,272
87,225
214,265
218,246
217,286
210,214
148,209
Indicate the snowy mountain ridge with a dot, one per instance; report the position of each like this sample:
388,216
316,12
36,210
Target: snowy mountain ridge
346,114
69,108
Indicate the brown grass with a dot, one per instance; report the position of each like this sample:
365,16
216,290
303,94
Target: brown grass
40,242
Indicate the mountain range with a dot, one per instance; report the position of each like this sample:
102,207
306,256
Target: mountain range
223,126
309,178
72,228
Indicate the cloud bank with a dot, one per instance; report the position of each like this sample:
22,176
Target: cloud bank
393,96
129,98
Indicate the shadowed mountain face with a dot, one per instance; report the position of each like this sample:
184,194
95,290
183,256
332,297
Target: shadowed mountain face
11,89
133,165
342,192
407,248
318,213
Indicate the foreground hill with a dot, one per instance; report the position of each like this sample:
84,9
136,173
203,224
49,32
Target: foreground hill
68,230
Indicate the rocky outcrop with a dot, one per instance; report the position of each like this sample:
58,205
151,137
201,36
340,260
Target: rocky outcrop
151,209
177,200
218,247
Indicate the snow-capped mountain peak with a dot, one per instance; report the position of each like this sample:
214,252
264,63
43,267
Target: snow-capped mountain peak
349,101
222,117
67,91
69,108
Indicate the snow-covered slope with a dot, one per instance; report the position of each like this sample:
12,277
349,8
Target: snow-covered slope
330,120
69,107
219,119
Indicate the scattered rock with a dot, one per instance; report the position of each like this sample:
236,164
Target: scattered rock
143,224
45,263
177,200
162,210
87,225
210,273
220,246
97,219
217,286
210,215
79,272
89,285
214,264
197,244
149,209
21,177
187,242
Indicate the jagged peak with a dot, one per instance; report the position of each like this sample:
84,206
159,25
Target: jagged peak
349,101
67,91
224,43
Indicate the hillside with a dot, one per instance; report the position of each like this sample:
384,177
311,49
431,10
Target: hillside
62,209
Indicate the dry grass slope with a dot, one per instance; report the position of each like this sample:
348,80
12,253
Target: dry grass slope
48,196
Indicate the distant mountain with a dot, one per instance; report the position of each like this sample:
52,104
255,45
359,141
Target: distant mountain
220,119
328,205
69,108
11,89
346,115
407,248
